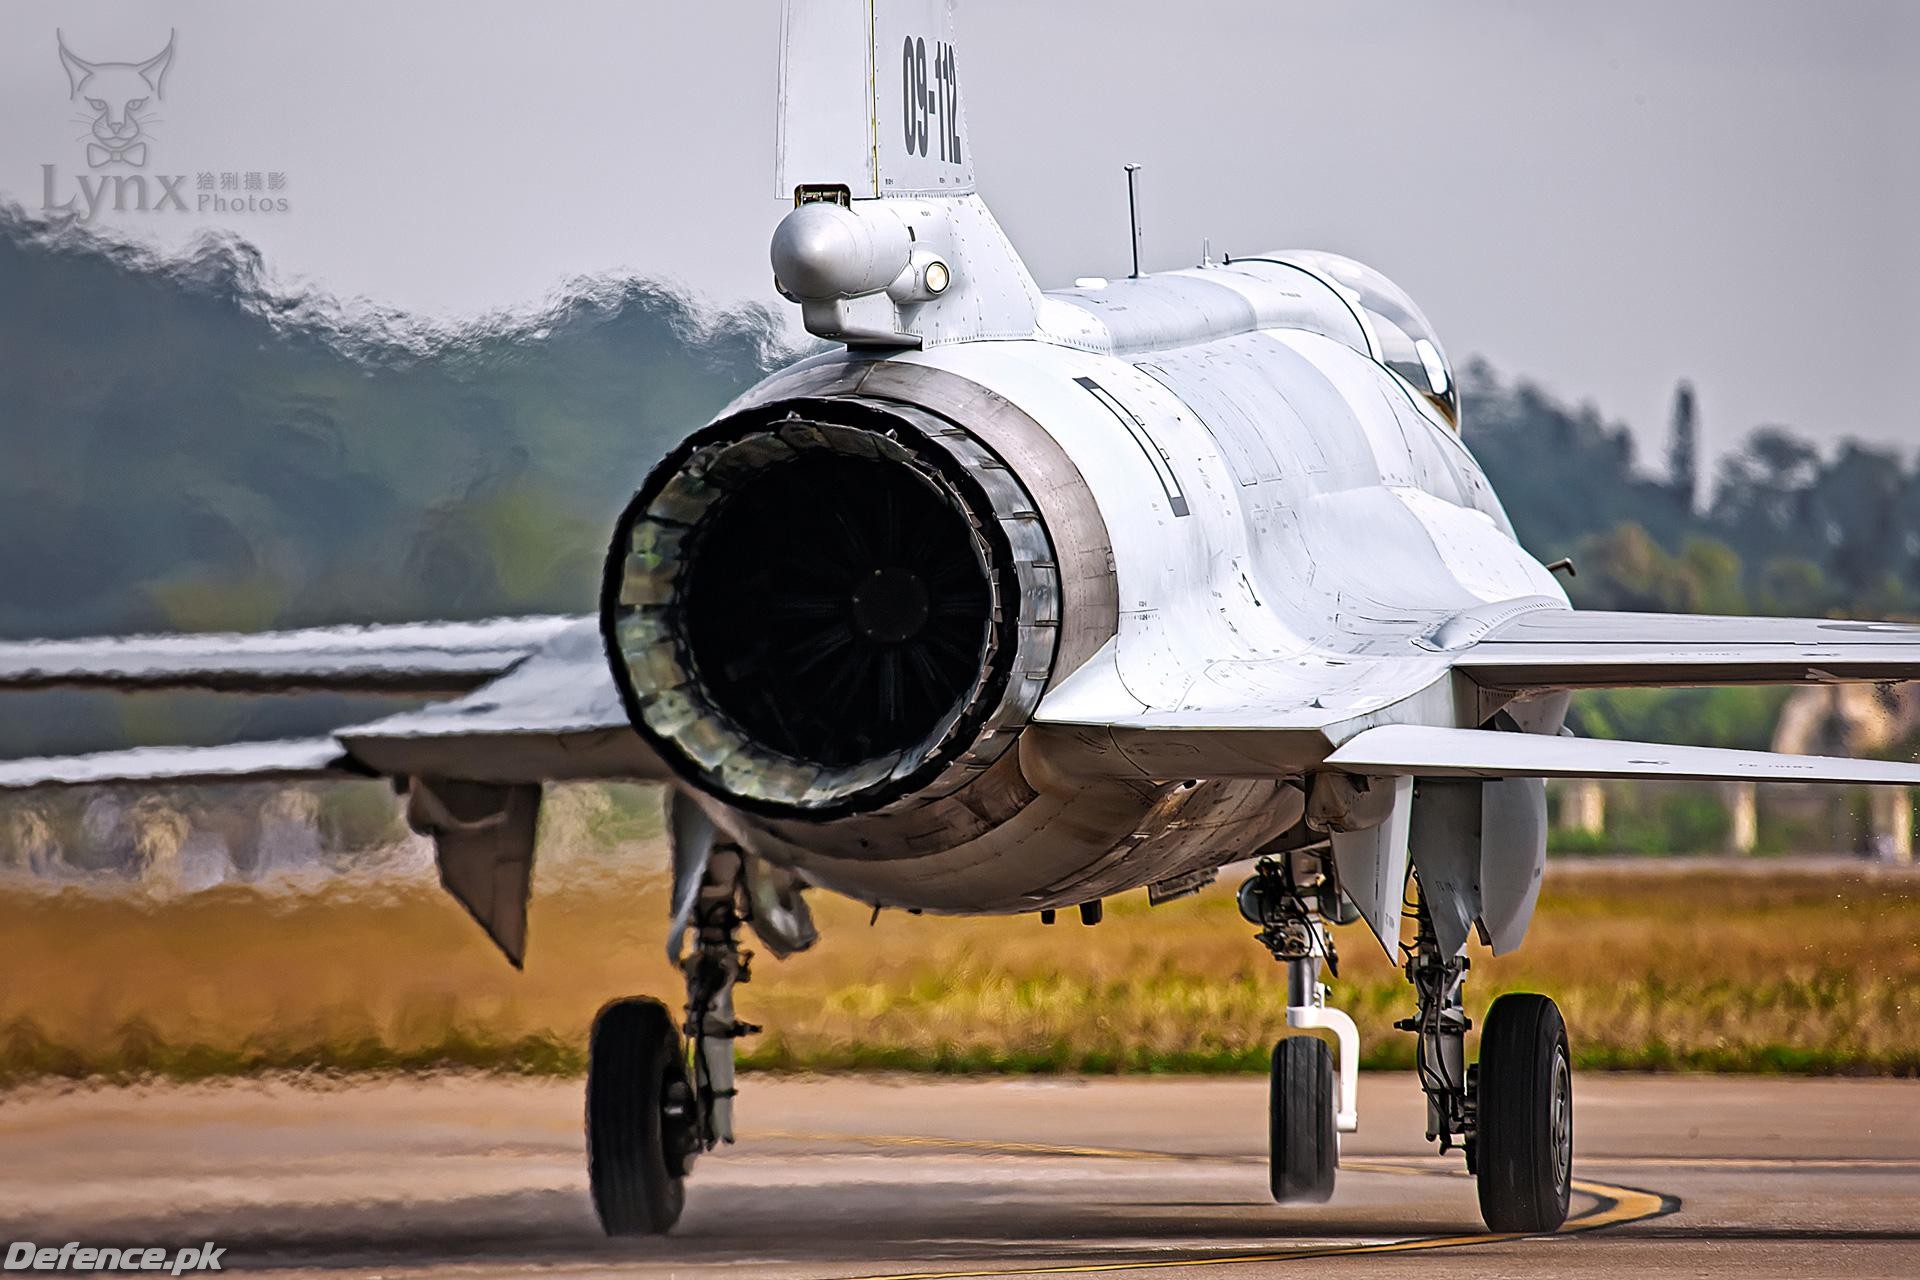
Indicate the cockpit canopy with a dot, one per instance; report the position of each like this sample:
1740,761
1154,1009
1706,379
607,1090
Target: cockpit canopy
1404,339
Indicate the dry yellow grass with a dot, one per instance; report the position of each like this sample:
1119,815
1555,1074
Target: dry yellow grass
1780,972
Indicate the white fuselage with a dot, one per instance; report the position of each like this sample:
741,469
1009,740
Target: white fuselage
1270,491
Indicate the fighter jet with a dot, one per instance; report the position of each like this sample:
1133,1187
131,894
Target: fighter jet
1012,601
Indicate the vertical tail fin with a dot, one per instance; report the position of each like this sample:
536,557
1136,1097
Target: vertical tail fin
888,245
870,99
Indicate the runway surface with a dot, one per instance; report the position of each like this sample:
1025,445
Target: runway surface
887,1176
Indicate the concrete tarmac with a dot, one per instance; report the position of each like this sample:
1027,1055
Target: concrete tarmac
891,1176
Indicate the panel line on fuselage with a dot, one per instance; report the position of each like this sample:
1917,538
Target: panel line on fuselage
1156,456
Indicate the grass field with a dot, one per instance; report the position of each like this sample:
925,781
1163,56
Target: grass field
1783,971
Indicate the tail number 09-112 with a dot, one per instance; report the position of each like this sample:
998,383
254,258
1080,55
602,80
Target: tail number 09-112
930,103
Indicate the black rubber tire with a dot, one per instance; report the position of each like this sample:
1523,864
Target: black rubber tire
633,1163
1304,1150
1523,1151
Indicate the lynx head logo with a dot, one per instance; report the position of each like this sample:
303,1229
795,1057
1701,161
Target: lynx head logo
119,98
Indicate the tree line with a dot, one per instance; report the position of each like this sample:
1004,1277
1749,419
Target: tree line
1781,527
193,448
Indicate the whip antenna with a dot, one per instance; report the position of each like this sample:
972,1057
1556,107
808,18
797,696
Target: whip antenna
1133,214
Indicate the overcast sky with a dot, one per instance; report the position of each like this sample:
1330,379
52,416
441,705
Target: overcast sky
1603,197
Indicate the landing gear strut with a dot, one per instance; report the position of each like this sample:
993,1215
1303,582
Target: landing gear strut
1440,1055
713,966
1292,901
1513,1111
654,1100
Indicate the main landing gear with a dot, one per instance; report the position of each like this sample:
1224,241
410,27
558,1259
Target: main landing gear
654,1100
1512,1112
643,1123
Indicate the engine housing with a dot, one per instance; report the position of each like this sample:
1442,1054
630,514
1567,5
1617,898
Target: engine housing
826,605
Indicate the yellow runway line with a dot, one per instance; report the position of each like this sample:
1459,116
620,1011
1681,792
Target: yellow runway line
1783,1163
1614,1206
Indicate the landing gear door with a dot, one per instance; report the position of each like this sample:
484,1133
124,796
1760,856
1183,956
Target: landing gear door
1372,864
1447,857
1479,848
1513,854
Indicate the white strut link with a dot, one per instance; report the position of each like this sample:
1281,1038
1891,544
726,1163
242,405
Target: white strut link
1318,1017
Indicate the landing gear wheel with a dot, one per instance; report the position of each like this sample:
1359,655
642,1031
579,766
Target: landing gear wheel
1523,1149
1304,1148
640,1118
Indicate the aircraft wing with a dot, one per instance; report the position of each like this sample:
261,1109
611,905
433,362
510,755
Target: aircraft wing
1263,719
1169,745
431,658
1397,750
1581,649
538,704
555,716
1442,712
282,761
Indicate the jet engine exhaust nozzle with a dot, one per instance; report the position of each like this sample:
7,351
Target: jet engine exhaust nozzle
821,607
